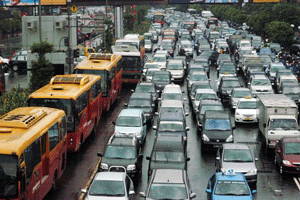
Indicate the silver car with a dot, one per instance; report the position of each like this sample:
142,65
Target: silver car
237,157
238,94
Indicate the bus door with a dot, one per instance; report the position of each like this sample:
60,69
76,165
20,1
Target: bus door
82,119
112,77
45,178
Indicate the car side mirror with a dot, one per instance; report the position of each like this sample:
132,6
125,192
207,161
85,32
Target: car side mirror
278,151
131,192
114,123
193,195
132,90
184,99
83,191
218,158
142,194
154,127
148,158
208,191
256,159
265,125
153,105
233,127
186,114
187,128
193,98
156,113
254,191
99,154
159,99
188,159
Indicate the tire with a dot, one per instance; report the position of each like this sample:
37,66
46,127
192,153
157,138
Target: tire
15,68
54,183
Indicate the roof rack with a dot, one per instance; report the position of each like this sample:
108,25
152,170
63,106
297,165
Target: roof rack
69,79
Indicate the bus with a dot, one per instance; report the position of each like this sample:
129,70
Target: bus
80,97
108,66
131,63
33,152
134,40
159,18
170,34
212,21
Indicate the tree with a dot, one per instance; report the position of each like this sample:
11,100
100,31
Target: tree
42,70
280,32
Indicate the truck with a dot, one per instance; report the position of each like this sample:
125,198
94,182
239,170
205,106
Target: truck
278,117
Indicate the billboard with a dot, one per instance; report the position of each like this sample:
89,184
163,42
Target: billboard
31,2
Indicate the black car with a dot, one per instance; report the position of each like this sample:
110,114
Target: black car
213,56
226,85
161,79
18,63
147,87
122,151
216,130
169,152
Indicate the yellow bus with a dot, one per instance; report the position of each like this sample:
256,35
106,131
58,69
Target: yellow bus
33,152
80,97
108,66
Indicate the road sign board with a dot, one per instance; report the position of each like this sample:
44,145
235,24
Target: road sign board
73,8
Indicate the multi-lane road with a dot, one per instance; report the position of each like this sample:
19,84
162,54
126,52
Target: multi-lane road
270,185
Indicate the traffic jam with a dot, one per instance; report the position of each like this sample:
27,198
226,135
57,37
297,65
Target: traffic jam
240,100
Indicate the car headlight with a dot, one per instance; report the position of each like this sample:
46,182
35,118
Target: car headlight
229,139
205,138
131,167
253,171
104,166
286,162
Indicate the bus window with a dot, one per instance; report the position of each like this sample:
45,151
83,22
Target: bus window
81,102
112,73
44,143
53,136
32,158
63,128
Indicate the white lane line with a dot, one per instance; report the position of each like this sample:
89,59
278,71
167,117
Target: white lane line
297,182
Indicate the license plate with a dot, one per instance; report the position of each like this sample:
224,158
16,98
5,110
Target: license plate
248,118
217,145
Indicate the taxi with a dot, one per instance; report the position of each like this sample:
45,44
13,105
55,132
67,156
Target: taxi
228,186
247,111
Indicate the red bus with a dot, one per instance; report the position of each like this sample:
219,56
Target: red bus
108,66
33,152
80,97
159,18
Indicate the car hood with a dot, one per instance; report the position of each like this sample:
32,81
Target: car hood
118,161
146,109
215,197
166,165
183,133
127,130
248,111
147,45
238,166
106,198
217,134
292,158
176,71
261,87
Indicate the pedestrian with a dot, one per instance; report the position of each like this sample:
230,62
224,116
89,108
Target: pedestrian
221,50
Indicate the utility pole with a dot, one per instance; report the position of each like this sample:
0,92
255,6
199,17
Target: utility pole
40,21
69,59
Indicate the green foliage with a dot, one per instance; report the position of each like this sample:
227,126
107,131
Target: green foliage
17,97
11,25
280,32
42,70
198,7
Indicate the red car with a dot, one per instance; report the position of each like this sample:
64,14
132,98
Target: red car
287,155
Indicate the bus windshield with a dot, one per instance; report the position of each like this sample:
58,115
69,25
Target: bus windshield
64,104
158,17
131,63
102,73
8,177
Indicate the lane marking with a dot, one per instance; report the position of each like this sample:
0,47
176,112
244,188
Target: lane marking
297,182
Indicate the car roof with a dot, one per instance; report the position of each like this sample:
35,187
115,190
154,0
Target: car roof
146,83
176,61
230,177
241,89
122,140
211,102
169,176
235,146
171,103
113,176
248,99
202,91
216,114
141,96
259,76
168,142
131,112
170,115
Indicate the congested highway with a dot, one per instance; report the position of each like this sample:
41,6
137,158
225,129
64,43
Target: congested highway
270,183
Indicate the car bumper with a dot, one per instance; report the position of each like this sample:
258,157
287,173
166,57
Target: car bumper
244,119
213,145
291,169
251,178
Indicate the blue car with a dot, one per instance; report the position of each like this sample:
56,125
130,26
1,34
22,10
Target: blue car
229,186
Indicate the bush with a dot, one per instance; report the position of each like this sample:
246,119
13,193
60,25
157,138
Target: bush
280,32
17,97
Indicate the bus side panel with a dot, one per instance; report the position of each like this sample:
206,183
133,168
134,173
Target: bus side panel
119,82
34,189
113,93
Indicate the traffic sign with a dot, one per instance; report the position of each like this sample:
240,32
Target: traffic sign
73,8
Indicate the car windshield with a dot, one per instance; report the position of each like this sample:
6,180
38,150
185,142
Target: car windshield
165,47
275,68
107,188
147,42
291,148
247,105
217,124
139,103
171,96
151,66
206,96
291,90
214,36
8,175
261,82
198,77
265,51
175,67
200,86
266,60
227,68
171,126
121,152
283,124
128,121
187,45
237,155
161,77
144,89
248,51
201,62
232,188
168,156
241,94
159,59
168,191
290,81
150,72
231,83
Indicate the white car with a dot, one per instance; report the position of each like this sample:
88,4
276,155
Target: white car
148,45
150,65
260,84
149,73
237,94
187,46
110,185
247,111
175,67
201,94
161,60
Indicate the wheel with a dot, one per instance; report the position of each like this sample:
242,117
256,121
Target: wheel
15,68
54,183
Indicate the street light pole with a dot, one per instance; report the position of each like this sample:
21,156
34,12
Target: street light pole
40,20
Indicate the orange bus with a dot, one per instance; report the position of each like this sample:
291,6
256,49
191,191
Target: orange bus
159,18
33,152
108,66
80,97
170,34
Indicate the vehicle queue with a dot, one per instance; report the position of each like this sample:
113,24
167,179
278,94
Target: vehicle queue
96,84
